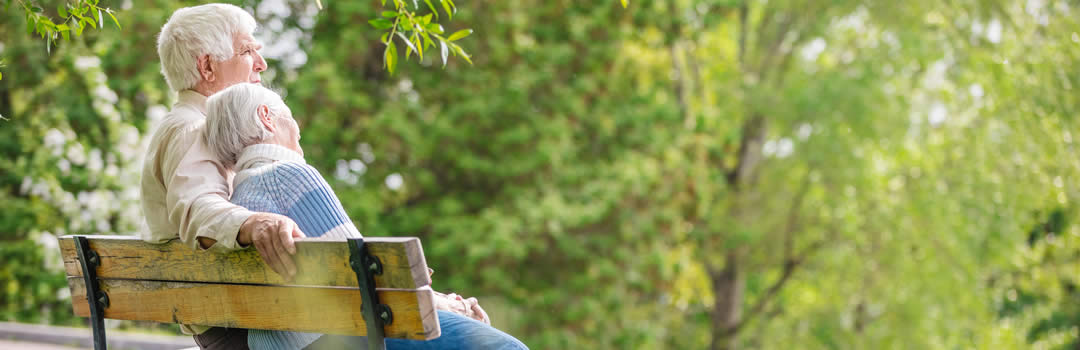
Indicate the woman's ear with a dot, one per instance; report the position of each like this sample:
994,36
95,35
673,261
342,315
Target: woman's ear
265,118
206,70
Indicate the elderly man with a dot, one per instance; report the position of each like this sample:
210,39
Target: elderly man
251,130
185,189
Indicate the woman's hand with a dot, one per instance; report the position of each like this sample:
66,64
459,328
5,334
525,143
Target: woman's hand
468,307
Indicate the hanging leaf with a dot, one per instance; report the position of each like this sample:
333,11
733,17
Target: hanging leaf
407,43
459,34
406,40
461,52
434,28
113,19
63,28
447,8
97,17
381,23
444,52
432,8
428,43
390,57
418,45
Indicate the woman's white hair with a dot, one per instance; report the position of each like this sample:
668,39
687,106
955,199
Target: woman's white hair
195,31
232,119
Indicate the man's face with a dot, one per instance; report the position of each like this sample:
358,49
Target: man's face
243,67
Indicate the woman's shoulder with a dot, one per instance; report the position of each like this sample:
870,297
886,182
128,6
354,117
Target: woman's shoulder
296,174
291,167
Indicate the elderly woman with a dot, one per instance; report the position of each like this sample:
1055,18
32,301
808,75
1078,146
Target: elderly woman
251,130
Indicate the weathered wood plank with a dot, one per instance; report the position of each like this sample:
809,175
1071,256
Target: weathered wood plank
304,309
319,262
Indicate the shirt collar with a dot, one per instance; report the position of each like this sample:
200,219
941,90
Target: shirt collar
193,99
266,153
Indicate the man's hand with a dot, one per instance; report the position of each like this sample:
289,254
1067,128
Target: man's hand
272,235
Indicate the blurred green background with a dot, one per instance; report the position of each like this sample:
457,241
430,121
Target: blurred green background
677,174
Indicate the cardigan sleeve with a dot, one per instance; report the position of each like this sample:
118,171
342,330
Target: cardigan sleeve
307,199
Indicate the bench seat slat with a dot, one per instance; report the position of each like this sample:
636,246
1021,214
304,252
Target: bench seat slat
304,309
319,263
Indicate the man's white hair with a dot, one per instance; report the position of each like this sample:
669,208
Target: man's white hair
195,31
232,119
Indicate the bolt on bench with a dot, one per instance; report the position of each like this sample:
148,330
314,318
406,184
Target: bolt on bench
376,287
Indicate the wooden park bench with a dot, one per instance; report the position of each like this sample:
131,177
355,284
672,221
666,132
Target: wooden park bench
336,284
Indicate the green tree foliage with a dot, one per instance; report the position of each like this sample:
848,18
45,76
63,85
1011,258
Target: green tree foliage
1039,288
414,30
72,151
71,18
678,174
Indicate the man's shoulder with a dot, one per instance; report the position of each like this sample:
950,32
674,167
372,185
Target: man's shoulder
183,118
172,138
181,124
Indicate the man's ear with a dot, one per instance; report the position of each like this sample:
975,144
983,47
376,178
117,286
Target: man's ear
264,116
206,70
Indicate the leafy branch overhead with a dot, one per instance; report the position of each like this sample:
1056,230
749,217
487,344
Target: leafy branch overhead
74,17
418,32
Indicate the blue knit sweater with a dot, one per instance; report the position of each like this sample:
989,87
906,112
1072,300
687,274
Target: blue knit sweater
275,179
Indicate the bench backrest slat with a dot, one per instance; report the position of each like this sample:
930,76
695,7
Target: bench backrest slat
305,309
173,283
319,263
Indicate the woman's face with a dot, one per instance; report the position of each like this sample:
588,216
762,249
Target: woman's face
288,133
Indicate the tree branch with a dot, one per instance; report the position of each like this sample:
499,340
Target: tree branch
680,90
785,276
774,47
793,215
790,266
744,11
753,136
680,77
753,130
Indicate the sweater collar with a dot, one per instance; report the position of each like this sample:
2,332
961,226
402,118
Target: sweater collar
193,99
265,153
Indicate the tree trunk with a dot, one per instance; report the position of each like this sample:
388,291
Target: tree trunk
729,283
728,286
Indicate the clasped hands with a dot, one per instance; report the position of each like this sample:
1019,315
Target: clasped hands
468,307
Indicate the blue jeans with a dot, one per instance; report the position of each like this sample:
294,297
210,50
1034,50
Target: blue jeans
458,333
